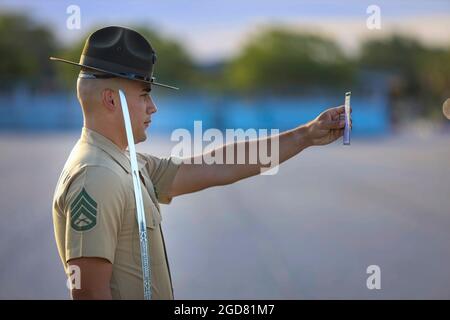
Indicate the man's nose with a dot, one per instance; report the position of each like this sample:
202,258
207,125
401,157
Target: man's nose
152,107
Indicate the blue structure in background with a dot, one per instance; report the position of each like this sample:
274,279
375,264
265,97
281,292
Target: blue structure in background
21,111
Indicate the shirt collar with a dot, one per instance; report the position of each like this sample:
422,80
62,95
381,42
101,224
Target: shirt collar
121,157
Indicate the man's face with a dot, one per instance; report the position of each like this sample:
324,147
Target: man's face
140,106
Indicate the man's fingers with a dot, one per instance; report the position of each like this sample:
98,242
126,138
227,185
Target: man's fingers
341,109
338,124
342,117
335,112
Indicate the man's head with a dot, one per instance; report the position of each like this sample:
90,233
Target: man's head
123,59
100,102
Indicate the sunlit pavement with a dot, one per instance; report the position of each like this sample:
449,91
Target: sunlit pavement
308,232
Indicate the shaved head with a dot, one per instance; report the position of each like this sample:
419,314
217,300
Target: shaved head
100,103
89,92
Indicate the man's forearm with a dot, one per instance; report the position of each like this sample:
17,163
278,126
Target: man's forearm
227,165
196,174
290,143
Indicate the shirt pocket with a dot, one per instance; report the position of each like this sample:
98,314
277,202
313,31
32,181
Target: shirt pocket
150,188
153,220
154,242
152,214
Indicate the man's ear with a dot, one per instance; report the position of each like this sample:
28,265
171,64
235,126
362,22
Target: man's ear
109,99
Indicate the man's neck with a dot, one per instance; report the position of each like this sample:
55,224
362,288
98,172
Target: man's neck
109,134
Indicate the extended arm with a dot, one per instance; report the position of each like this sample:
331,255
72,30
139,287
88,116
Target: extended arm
194,174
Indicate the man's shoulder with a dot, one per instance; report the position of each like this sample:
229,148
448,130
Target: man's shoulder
88,164
98,179
85,155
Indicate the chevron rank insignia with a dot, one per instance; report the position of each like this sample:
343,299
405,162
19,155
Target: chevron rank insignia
83,212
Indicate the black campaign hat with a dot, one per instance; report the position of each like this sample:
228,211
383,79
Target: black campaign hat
119,52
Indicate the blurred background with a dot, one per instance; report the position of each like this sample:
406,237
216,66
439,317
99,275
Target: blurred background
309,232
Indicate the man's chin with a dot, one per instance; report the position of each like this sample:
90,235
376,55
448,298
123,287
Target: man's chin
140,138
144,137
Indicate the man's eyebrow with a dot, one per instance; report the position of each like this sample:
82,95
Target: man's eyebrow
147,89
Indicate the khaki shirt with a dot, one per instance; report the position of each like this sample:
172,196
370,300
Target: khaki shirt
94,213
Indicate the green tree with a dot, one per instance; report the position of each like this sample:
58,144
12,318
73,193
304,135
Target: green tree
24,50
284,61
422,73
397,55
434,81
66,73
173,64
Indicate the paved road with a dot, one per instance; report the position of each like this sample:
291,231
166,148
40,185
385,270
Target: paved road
308,232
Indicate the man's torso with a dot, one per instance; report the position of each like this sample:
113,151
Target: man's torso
96,186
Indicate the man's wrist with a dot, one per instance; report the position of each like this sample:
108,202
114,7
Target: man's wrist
303,136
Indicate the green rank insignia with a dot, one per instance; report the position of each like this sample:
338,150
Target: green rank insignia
83,212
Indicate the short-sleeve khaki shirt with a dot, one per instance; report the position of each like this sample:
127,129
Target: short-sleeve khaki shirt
94,213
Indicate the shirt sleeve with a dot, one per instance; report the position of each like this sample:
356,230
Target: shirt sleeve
162,172
94,206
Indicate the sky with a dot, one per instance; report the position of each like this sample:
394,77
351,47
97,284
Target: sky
217,29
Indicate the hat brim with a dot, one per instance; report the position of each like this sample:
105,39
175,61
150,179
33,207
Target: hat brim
114,73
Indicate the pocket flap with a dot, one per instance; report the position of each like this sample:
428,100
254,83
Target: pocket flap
152,216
